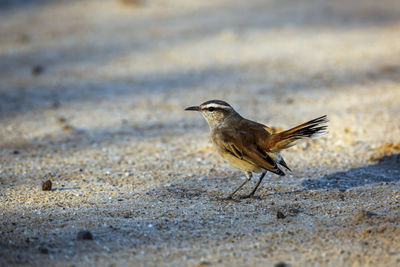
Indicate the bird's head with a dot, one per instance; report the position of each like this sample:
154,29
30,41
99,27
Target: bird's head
214,111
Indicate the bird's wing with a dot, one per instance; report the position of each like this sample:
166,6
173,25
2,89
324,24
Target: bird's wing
243,145
257,126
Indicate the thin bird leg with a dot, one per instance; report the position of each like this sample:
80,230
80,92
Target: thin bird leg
230,197
255,188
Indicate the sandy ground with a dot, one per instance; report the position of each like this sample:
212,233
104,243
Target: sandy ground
92,96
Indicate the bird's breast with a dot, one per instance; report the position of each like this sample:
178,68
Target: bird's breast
239,163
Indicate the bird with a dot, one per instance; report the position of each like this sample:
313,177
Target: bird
251,146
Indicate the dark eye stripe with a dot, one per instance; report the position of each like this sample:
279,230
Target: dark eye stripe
214,108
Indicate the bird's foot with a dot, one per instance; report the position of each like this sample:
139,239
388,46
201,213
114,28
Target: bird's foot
249,196
228,198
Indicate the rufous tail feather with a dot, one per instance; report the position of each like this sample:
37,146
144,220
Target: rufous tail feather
288,138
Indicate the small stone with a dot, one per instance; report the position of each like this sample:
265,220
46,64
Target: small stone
46,186
67,127
204,263
43,250
61,120
281,264
280,215
84,235
37,70
366,213
289,101
363,215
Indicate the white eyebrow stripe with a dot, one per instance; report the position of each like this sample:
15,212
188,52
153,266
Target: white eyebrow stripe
215,105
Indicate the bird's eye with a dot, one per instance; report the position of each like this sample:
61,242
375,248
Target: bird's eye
211,109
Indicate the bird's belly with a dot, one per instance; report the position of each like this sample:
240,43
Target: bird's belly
240,164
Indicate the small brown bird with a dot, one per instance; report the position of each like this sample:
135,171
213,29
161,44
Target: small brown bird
251,146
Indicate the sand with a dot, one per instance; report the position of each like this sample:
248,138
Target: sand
92,98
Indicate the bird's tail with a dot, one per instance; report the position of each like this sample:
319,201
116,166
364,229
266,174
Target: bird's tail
310,129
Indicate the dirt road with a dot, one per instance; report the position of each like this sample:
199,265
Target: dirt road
92,95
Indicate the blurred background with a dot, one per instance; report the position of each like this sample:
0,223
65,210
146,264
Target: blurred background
124,57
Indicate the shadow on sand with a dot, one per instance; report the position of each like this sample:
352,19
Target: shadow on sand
387,169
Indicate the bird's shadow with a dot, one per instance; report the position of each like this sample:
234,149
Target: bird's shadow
385,170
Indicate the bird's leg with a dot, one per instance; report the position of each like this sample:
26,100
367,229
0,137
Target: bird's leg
255,188
249,175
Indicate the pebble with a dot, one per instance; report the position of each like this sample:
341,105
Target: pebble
37,70
43,250
363,215
84,235
280,215
46,186
204,263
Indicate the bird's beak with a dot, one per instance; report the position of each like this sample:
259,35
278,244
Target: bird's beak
195,108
